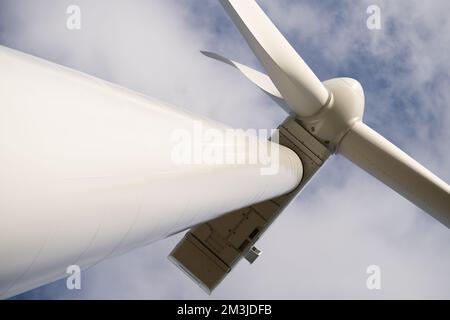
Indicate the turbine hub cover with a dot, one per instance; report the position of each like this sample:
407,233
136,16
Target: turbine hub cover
336,118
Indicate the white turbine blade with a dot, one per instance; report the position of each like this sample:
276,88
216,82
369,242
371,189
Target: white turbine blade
300,87
260,79
376,155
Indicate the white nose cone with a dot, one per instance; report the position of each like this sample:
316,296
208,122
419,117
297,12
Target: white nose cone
89,170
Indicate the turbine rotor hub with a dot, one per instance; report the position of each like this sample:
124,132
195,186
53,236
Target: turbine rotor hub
336,118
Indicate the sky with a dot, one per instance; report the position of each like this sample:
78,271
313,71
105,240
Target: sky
345,220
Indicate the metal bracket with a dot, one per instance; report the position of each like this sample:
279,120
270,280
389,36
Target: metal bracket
253,254
208,252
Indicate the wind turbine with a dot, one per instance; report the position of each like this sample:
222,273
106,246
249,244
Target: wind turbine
332,111
88,173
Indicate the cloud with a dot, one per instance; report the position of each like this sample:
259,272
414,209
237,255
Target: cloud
345,220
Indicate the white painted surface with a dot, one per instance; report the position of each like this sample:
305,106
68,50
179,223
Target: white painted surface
376,155
299,86
86,173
